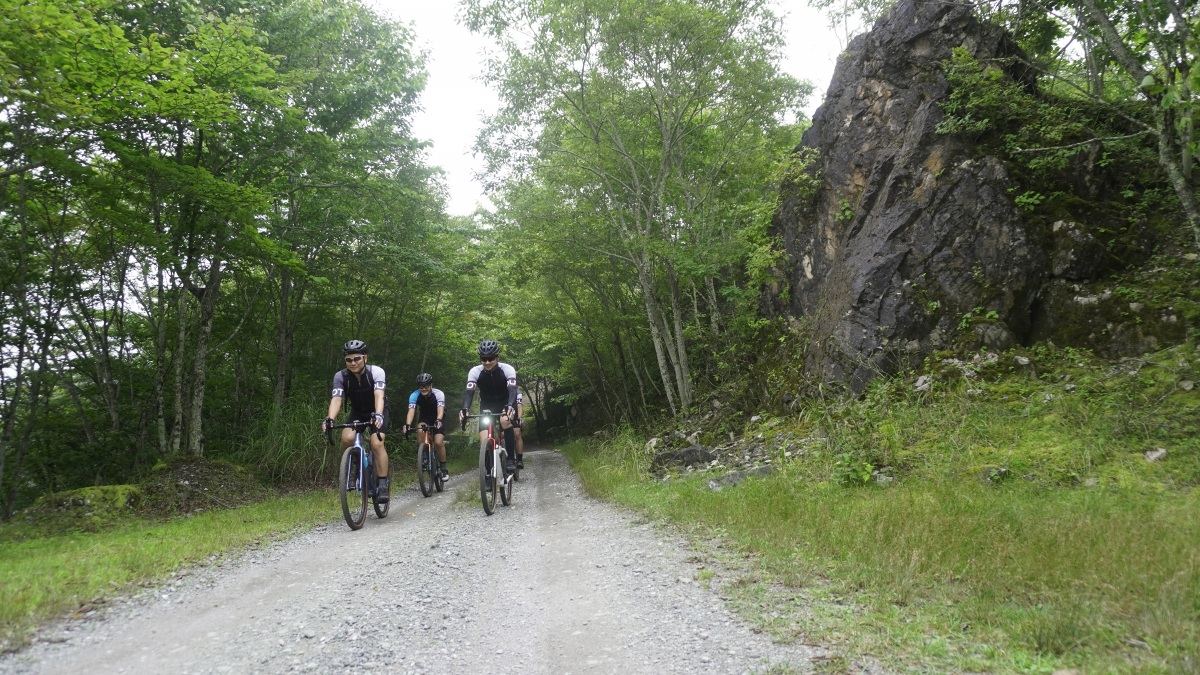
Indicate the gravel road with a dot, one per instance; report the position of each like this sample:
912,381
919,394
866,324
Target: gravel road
556,583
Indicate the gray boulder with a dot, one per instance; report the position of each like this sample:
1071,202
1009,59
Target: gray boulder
689,456
897,232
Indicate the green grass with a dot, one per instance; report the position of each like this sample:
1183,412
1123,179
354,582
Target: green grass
56,575
58,562
1087,557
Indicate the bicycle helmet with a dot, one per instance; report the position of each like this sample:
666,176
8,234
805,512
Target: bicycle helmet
424,379
488,348
355,347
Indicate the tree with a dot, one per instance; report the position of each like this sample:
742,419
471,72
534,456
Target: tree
630,113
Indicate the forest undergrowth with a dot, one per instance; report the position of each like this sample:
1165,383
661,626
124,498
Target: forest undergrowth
1030,511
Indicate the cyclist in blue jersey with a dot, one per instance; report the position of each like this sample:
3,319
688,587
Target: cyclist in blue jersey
363,385
431,403
497,386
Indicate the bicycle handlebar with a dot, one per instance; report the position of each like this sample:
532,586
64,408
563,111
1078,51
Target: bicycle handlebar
421,426
356,425
482,413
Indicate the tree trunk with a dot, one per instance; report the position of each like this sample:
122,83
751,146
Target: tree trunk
683,373
208,311
180,350
283,342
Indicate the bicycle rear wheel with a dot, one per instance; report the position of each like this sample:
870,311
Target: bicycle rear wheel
437,471
425,469
352,488
506,491
487,493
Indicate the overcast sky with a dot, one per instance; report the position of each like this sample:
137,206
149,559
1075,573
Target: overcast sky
454,100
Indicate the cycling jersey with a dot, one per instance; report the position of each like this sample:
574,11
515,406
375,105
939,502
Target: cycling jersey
497,389
427,404
360,391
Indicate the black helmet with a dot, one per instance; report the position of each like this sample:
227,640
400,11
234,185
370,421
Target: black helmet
488,348
355,347
424,378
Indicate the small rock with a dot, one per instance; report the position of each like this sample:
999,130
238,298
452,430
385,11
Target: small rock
1068,387
1022,360
995,474
1155,454
923,383
1187,385
652,443
755,418
1136,643
1091,482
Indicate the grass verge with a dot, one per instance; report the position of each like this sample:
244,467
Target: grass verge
1087,556
67,574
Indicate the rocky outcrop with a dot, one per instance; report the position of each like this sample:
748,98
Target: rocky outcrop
899,236
903,241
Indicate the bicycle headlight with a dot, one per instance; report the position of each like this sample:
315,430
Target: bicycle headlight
483,420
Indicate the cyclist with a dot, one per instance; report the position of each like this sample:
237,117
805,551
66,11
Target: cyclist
432,405
363,385
497,385
518,425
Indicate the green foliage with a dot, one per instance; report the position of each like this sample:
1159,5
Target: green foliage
850,471
636,156
199,204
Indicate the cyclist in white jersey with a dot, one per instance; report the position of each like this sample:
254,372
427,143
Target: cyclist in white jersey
518,426
497,386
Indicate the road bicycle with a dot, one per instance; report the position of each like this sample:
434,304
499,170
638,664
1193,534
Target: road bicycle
493,480
429,474
358,463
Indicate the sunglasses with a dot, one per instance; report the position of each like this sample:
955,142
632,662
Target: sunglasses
488,359
353,359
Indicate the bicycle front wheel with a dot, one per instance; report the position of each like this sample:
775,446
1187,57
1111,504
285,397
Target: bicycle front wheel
352,488
487,485
506,489
381,510
425,469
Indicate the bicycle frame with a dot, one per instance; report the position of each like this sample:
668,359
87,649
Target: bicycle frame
365,460
502,483
427,466
361,482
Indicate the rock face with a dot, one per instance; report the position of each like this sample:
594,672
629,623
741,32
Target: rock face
896,233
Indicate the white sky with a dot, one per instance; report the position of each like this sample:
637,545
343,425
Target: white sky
454,100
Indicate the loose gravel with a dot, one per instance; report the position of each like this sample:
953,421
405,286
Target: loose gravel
555,583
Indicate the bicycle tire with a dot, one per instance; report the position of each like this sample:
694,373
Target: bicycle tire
351,489
439,483
488,497
425,470
506,491
381,510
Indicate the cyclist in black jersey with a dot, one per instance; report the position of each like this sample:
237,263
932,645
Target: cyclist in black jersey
432,405
497,385
363,385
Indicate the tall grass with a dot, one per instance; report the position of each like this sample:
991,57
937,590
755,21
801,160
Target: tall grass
288,447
